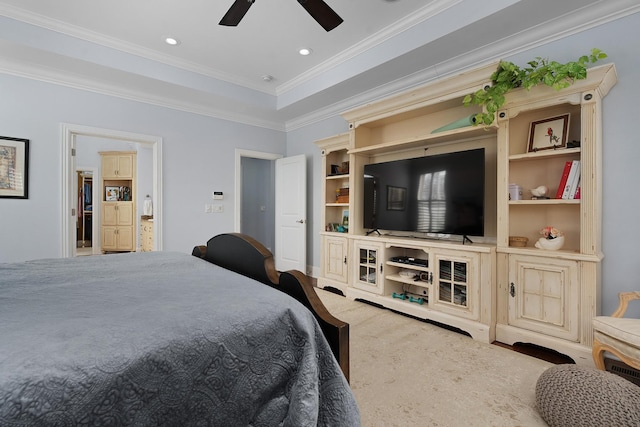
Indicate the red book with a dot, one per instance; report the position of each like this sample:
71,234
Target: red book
577,195
563,179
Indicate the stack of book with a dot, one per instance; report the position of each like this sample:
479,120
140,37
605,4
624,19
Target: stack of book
569,186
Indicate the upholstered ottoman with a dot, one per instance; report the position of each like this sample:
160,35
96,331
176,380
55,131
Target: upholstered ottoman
572,395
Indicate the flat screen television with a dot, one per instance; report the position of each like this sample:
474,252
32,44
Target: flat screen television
441,194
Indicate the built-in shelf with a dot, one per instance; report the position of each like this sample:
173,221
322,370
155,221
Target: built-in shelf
545,202
416,141
408,281
545,154
408,266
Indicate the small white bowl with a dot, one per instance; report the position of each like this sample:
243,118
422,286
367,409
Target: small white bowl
550,244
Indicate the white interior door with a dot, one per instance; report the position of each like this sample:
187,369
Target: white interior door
291,213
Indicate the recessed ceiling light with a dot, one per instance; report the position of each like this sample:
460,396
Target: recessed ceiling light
305,51
171,41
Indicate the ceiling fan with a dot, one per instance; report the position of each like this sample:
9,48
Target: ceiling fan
318,9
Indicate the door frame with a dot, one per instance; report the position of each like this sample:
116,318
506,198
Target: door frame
239,154
68,139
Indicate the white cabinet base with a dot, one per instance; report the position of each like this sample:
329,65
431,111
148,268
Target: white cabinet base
477,330
324,283
510,335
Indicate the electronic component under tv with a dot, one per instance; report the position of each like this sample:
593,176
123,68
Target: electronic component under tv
441,194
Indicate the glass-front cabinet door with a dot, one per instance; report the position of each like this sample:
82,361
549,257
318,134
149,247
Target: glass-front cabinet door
452,282
369,266
456,284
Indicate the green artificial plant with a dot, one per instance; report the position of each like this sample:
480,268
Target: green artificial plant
509,76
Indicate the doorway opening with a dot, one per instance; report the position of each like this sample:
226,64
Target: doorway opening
255,195
86,195
70,133
288,175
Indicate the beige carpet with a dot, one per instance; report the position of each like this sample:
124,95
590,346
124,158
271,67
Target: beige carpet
405,372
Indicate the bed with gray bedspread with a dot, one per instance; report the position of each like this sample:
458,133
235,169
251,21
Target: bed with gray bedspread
160,338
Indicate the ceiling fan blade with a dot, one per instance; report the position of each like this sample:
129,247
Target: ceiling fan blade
236,12
321,12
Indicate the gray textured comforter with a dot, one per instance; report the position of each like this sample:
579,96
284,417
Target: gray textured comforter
160,338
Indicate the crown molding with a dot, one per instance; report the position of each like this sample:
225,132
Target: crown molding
559,28
123,46
60,77
429,11
564,26
432,9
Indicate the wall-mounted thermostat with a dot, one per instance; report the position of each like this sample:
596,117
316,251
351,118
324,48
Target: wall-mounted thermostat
217,195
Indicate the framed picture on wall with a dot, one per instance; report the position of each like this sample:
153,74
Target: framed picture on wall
549,133
14,167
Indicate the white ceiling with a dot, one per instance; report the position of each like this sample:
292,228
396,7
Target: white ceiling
116,46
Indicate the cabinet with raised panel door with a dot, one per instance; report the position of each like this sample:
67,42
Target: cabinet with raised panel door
540,290
118,213
117,226
548,297
117,239
118,164
335,262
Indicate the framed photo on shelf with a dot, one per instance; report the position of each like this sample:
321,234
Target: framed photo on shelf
111,194
14,167
549,133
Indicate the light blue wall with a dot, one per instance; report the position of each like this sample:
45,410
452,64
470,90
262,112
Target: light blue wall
198,158
621,151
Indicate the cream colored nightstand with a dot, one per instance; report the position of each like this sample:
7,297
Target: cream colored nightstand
146,234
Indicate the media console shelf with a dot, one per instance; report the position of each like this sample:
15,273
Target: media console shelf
488,289
454,287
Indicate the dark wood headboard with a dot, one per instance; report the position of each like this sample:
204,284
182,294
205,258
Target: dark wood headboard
245,255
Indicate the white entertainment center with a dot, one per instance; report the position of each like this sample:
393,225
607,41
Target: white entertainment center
485,288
